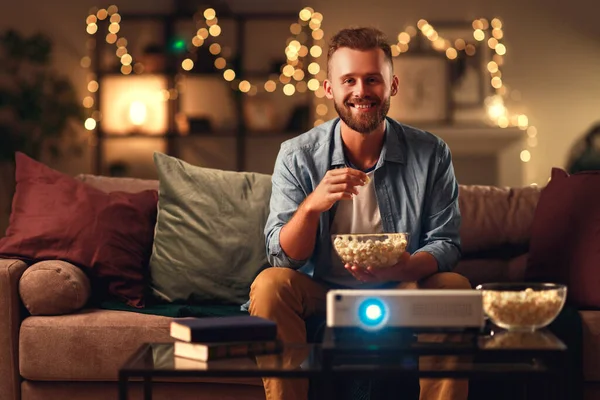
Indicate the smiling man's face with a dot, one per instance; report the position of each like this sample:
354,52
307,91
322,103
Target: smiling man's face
361,83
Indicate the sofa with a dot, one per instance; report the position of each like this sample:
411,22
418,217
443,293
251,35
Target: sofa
77,355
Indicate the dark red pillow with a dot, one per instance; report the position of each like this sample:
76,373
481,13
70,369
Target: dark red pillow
565,236
108,235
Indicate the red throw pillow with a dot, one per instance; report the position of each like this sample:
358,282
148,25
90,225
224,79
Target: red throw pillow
565,236
108,235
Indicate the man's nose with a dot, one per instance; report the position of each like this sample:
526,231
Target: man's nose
360,88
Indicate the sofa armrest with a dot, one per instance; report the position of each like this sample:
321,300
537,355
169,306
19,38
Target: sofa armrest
10,320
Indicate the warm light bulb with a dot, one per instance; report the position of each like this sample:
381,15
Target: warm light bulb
289,89
478,34
137,113
451,53
305,14
229,75
187,64
90,124
270,86
322,109
525,156
215,30
495,107
210,13
316,51
88,102
92,28
313,84
244,86
523,121
403,37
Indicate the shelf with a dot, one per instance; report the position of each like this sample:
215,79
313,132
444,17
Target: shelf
225,145
267,135
165,136
221,15
214,134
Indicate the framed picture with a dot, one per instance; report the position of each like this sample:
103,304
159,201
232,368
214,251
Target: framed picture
469,78
423,91
260,114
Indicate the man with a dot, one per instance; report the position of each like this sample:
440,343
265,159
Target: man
361,173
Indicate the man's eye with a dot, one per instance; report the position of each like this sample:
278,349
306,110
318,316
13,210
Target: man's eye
348,80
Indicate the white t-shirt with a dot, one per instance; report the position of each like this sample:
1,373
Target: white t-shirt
359,215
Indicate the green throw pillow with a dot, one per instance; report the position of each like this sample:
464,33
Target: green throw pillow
209,243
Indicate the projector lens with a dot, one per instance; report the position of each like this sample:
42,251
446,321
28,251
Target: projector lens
372,313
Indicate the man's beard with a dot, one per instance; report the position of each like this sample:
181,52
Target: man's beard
363,122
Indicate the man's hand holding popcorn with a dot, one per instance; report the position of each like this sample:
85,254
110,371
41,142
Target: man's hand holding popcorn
399,272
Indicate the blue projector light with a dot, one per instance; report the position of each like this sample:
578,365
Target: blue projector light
372,313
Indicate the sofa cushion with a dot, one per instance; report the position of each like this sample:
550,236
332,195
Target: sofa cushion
486,270
591,344
36,390
56,217
209,243
89,345
565,239
54,287
493,217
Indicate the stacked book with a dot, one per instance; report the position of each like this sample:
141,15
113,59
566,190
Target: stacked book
222,338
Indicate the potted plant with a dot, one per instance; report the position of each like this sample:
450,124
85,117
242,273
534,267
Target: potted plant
36,106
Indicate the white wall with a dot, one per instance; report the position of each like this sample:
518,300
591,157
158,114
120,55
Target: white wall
553,55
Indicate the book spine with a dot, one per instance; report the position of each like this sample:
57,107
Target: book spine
234,335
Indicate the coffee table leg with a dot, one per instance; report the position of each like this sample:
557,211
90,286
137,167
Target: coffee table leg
329,390
147,388
123,387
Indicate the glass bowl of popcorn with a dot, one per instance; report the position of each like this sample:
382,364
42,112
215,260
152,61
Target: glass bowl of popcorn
522,306
379,250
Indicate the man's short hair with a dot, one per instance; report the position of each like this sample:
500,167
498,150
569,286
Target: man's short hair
362,38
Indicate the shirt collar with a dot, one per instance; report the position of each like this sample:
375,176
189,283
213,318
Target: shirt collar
393,150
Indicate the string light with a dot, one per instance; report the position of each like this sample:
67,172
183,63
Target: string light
127,65
296,51
497,111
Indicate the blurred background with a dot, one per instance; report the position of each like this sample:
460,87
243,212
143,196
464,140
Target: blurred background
96,87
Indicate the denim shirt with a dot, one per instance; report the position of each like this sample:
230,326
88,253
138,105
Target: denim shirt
415,187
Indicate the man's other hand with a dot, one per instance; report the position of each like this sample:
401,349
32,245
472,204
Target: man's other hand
337,184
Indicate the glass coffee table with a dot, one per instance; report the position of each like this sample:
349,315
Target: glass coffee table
527,362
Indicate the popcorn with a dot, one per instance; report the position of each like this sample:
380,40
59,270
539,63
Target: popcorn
526,308
374,253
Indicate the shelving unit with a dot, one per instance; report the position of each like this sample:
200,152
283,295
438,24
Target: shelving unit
175,141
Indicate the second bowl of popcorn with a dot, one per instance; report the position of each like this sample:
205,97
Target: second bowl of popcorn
523,306
379,250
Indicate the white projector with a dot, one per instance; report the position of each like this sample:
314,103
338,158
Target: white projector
399,308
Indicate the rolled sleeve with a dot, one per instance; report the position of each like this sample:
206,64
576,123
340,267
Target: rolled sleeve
441,216
286,196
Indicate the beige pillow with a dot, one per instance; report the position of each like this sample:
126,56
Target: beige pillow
209,243
54,288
